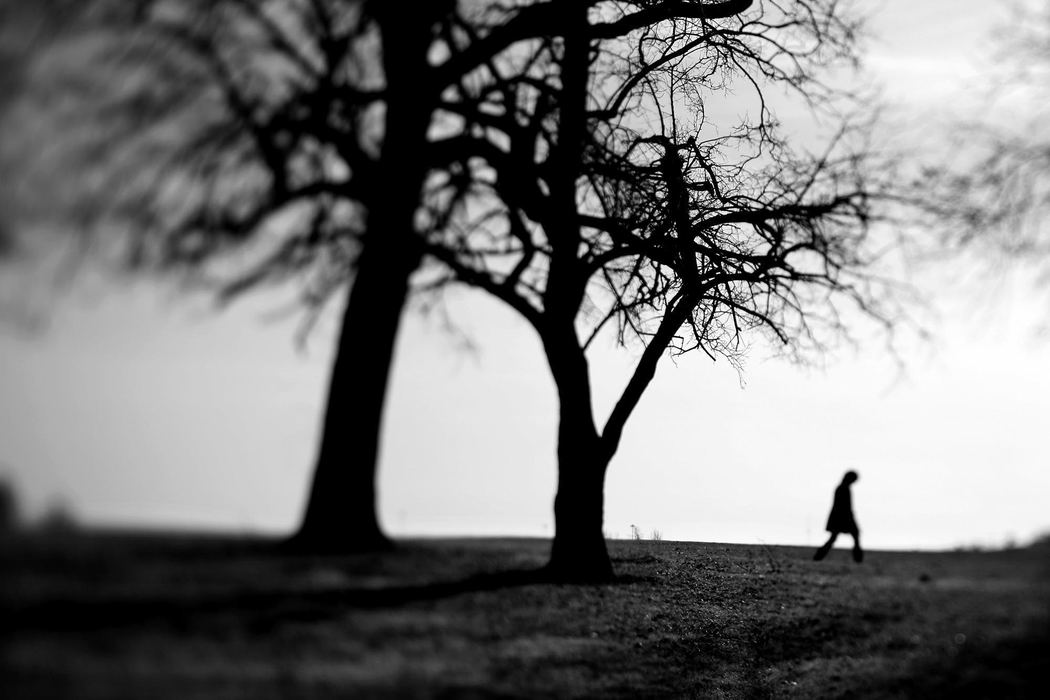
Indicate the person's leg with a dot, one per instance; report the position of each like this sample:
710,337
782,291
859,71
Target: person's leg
858,553
825,548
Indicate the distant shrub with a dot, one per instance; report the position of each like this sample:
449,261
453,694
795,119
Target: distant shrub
58,519
1041,541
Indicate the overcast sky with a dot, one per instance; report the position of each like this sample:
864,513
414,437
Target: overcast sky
136,406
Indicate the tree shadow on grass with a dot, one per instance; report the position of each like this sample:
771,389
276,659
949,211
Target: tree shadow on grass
258,610
182,610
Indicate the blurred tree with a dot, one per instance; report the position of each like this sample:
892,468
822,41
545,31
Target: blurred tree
994,189
24,29
240,144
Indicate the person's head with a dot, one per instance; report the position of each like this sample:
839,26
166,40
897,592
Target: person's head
849,477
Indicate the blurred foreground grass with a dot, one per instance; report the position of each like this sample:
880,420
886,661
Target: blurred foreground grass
179,616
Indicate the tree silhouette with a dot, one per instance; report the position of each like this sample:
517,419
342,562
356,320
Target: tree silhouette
563,156
245,143
595,194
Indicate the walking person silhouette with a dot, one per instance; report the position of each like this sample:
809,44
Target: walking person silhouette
841,519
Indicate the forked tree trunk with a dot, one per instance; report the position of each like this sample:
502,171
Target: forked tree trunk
578,552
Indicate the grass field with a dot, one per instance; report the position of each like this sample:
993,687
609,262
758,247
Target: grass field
126,616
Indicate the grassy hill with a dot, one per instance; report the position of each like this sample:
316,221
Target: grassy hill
136,616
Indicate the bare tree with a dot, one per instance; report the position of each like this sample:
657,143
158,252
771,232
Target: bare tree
594,192
241,144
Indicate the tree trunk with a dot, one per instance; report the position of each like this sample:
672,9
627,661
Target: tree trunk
341,511
578,552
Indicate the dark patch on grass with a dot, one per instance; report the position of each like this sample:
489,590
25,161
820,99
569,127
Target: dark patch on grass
1012,667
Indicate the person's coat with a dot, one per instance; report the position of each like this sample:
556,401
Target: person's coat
841,518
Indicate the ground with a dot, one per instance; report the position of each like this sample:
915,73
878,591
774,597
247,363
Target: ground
162,616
